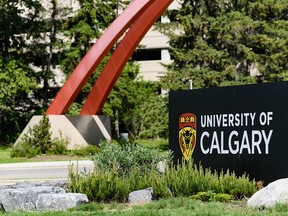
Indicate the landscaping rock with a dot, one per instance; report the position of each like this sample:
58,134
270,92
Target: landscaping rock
161,166
25,198
29,196
275,192
21,184
141,196
57,183
60,201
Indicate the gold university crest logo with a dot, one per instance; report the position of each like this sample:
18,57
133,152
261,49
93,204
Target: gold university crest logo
187,134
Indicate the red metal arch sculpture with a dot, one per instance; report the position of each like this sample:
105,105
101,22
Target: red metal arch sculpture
142,14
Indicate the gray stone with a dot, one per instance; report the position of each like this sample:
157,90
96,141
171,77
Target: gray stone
28,184
57,183
141,196
21,184
25,198
161,166
60,201
275,192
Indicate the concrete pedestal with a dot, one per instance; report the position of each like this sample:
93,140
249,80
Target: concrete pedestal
79,130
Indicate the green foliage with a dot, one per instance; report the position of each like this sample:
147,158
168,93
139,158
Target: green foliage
126,157
15,26
187,179
89,150
38,141
116,176
211,196
106,185
13,83
92,18
158,144
280,208
220,43
154,117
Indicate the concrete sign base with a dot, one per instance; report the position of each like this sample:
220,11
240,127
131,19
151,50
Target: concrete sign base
79,130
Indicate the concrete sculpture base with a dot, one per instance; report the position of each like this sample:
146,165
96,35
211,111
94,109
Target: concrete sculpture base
79,130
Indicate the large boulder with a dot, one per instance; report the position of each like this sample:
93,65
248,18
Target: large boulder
273,193
141,196
31,196
25,198
60,201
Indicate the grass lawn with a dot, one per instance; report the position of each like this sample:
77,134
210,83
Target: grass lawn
5,157
160,144
167,207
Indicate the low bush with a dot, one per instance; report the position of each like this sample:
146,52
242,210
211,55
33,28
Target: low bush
118,173
187,179
211,196
107,185
125,156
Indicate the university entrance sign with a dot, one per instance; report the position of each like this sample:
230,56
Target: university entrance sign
240,128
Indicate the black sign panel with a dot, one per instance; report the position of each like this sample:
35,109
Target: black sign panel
240,128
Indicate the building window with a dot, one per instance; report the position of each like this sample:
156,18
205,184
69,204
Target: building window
147,55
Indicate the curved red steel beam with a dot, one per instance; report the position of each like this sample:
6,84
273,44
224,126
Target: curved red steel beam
112,70
94,56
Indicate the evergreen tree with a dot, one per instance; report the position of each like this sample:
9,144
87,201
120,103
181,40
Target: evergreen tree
82,30
46,43
17,22
223,42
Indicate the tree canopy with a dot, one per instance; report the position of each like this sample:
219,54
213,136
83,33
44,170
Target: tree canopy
227,42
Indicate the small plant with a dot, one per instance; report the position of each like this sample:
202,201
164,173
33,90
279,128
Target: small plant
207,196
204,196
38,141
126,156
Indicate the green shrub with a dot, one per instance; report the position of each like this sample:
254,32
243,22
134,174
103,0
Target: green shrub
58,147
187,179
107,185
126,156
183,180
222,197
38,141
24,149
211,196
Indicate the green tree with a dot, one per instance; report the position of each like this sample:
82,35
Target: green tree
135,107
46,43
219,43
13,84
19,20
84,28
154,117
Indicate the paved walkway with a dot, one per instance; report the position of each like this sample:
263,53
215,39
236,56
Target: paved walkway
41,171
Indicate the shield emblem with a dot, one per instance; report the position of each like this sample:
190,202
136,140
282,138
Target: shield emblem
187,134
